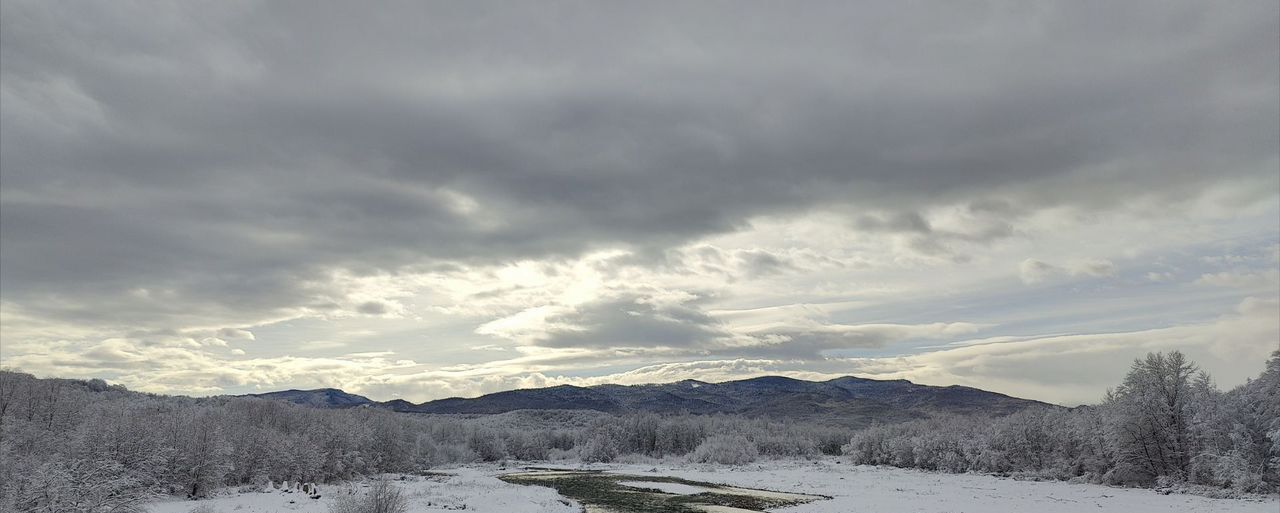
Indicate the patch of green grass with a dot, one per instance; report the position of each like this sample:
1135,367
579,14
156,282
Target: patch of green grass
601,489
737,501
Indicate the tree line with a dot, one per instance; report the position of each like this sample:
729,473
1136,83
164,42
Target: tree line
86,446
1165,424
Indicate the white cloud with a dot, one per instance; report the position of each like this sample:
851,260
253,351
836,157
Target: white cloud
1242,279
1068,369
313,345
1096,267
214,341
235,334
1033,271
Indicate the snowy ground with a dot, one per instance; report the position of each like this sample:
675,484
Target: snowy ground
853,489
857,489
469,489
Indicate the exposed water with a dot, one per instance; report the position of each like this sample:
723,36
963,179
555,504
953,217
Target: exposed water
619,493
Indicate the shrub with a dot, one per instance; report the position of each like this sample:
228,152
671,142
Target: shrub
599,448
381,497
727,450
782,446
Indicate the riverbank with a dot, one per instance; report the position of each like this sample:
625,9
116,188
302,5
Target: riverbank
851,488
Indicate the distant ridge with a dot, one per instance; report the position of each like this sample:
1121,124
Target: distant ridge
319,398
846,400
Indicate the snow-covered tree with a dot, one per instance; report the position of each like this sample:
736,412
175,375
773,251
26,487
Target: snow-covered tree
1149,416
726,450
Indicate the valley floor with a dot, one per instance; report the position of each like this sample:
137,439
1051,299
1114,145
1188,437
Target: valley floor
853,489
856,488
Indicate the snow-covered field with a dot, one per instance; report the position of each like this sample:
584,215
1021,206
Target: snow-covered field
466,489
890,490
852,488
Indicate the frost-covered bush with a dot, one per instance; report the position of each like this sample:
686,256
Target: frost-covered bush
527,446
727,450
81,486
382,496
598,448
783,446
1125,474
1232,470
562,454
486,444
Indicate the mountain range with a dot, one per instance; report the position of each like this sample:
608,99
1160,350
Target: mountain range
846,400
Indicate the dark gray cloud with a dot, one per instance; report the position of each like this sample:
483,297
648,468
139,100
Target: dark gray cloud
900,222
167,161
657,325
634,321
372,308
984,222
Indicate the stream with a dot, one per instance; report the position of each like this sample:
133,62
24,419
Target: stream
603,492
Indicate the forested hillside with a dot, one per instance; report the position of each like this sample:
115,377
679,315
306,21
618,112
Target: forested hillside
846,401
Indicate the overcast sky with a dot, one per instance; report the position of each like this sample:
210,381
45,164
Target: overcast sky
431,199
